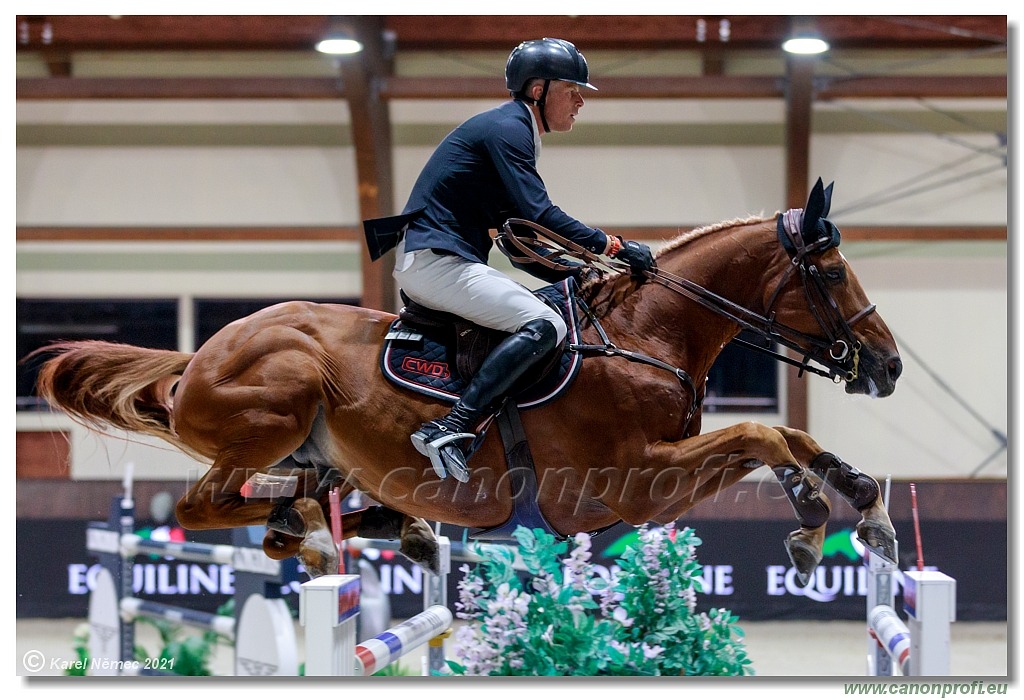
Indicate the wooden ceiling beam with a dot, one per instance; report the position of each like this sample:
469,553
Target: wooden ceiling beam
630,33
179,88
407,88
924,86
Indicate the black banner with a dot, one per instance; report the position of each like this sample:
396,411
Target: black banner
746,570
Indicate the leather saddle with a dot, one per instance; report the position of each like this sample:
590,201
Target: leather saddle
438,353
471,343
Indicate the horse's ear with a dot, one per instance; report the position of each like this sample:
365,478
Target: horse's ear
817,204
828,199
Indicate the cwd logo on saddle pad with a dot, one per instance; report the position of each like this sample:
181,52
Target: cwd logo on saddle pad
428,368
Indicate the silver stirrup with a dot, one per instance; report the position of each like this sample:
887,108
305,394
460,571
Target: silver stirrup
439,460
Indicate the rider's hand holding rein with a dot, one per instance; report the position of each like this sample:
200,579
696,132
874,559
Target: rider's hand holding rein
637,255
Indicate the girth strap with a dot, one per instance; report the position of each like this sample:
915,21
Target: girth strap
522,474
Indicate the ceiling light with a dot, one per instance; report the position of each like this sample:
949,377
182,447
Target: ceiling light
805,44
338,45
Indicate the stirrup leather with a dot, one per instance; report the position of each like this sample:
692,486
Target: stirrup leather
444,457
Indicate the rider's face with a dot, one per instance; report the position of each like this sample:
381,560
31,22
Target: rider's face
562,104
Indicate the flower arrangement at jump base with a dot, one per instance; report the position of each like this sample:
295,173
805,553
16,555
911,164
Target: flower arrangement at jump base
565,620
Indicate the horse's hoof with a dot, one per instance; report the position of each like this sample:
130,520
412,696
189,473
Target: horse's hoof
419,545
879,539
287,520
279,546
804,557
318,554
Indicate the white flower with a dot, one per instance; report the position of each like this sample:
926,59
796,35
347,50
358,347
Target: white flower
651,652
549,634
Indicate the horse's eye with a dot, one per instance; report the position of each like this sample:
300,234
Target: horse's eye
835,274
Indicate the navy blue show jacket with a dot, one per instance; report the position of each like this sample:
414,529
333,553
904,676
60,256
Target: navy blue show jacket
483,173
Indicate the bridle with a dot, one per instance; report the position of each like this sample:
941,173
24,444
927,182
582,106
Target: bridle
838,352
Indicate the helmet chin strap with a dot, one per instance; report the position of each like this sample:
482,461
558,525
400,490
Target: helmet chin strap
542,102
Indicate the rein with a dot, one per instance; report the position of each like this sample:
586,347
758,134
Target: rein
840,354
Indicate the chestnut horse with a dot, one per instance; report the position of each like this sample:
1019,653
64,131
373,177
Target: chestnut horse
302,381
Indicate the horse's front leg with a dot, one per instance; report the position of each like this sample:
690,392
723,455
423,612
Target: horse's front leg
861,491
292,522
710,463
294,528
216,501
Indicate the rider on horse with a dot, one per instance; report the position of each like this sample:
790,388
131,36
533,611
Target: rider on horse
481,174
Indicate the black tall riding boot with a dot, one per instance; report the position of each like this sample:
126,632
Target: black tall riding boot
439,439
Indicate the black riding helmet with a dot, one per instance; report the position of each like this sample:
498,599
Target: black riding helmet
550,59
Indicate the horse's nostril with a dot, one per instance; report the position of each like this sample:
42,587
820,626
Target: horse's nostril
895,368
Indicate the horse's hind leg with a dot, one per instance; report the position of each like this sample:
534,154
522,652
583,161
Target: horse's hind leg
861,491
215,500
417,540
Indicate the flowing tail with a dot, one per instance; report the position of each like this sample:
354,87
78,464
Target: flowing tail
104,385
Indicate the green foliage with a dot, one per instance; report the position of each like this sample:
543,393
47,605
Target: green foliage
395,669
561,619
81,647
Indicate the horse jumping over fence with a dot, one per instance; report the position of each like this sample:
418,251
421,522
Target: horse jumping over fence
302,381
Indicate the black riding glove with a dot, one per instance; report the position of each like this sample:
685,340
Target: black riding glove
638,256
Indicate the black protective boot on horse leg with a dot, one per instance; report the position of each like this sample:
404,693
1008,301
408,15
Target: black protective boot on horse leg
812,510
862,492
439,439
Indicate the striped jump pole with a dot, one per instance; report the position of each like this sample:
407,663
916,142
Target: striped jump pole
881,593
892,635
132,608
391,645
435,586
328,607
921,646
